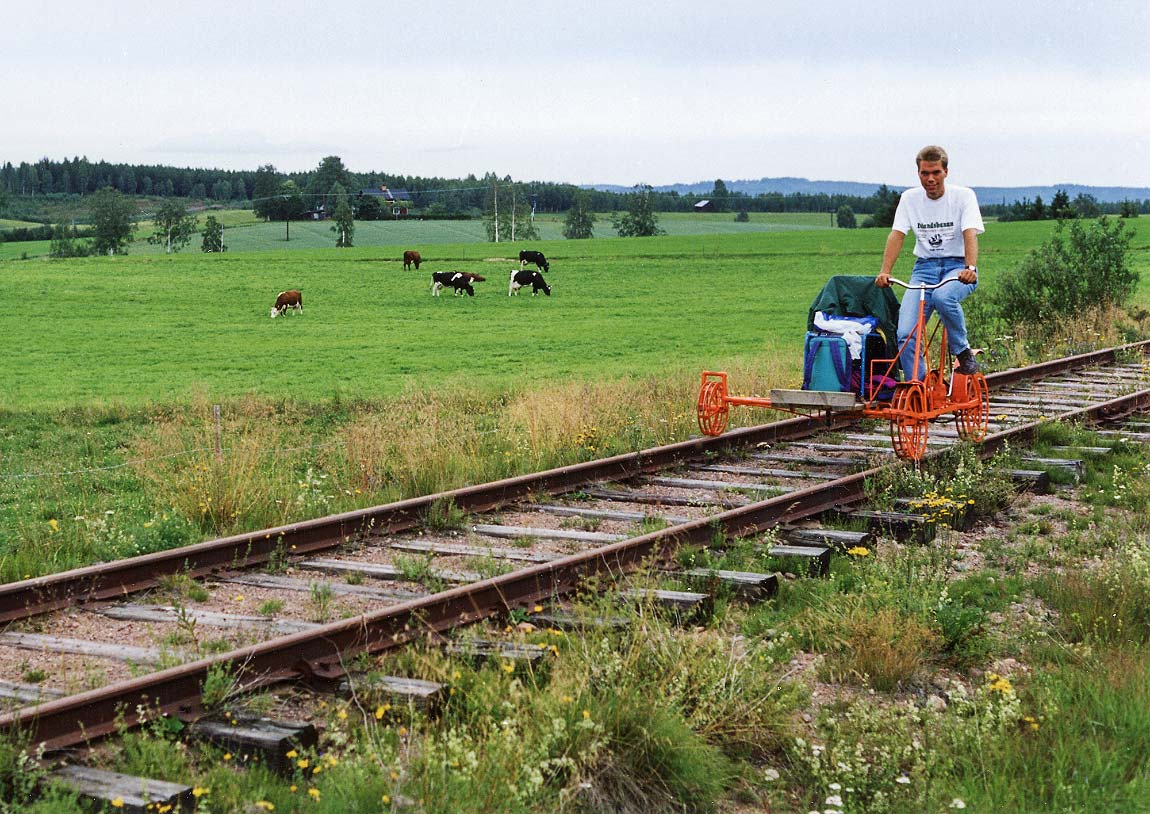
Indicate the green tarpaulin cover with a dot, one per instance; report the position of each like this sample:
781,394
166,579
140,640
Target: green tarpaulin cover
846,295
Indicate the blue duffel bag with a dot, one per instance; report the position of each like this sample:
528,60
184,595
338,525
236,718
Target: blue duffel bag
826,363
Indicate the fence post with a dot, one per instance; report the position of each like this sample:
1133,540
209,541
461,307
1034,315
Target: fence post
219,449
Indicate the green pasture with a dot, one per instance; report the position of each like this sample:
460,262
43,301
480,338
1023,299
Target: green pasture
7,223
244,233
24,249
154,328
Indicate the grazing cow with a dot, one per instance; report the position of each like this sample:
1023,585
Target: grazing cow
411,259
523,277
460,281
527,256
286,300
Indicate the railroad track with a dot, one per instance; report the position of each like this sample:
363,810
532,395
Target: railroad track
286,608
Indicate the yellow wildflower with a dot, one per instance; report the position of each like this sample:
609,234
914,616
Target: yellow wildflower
292,754
313,793
199,791
508,667
858,551
302,763
54,525
999,684
118,802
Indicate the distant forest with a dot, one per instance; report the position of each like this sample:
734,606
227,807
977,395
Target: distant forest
29,186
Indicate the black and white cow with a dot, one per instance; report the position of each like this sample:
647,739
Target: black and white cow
459,281
523,277
527,256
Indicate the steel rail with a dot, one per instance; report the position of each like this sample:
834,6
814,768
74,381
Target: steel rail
30,597
25,598
321,654
1105,356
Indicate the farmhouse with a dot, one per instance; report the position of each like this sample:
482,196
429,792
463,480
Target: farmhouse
705,206
396,201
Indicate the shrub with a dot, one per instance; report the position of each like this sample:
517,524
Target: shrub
1082,266
883,648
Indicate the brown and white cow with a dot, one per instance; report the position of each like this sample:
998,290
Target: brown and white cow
410,259
286,300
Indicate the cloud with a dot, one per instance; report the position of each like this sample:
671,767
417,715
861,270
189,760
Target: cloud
238,142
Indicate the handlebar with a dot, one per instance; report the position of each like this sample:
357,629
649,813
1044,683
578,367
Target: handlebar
925,286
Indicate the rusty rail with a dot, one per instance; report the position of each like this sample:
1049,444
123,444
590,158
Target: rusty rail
19,600
320,655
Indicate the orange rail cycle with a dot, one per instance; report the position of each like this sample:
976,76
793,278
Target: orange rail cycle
913,405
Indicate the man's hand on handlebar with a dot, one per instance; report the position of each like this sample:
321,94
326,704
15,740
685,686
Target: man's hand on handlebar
882,280
967,275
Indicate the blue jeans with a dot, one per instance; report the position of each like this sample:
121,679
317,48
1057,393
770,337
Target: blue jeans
947,301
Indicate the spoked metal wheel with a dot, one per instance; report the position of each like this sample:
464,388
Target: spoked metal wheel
712,409
908,421
972,420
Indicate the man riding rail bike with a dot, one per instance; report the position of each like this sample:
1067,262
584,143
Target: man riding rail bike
946,223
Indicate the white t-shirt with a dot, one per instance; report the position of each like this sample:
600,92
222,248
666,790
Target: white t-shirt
938,225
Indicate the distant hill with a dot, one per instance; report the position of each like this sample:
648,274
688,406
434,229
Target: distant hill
989,195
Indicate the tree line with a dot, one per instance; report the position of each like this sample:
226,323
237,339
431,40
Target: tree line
331,186
1061,207
430,196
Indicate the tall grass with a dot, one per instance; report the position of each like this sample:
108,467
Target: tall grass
250,480
129,482
1085,747
642,719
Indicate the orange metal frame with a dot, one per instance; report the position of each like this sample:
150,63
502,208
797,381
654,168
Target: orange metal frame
914,404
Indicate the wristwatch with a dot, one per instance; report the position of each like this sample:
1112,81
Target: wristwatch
971,268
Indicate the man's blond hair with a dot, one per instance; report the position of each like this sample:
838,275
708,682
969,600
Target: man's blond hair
931,152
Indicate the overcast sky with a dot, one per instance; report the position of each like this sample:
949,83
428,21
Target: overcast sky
588,92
